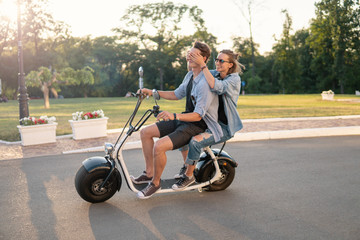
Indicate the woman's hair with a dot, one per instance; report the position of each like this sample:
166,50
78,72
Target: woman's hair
204,49
237,67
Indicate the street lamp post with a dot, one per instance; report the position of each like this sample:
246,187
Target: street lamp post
22,96
141,79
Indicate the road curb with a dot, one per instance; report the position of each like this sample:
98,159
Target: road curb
256,136
299,119
297,133
128,145
118,130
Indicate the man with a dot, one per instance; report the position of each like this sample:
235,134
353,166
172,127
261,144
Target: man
177,129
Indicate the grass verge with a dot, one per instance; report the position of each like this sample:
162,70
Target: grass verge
119,109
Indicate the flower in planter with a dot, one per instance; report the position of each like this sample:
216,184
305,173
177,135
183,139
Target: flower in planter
27,121
78,116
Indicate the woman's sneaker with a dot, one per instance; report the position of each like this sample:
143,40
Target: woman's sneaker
183,182
148,191
143,178
181,173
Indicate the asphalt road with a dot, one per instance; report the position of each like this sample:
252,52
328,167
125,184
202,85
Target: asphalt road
283,189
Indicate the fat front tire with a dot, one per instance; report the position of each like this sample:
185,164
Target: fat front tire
88,185
228,174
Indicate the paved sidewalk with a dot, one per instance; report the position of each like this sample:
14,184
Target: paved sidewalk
254,129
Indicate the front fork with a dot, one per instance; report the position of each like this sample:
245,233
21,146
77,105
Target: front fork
112,167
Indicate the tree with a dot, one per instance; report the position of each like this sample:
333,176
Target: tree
105,57
334,34
7,33
49,80
286,66
83,78
43,78
304,57
248,51
41,37
37,21
156,27
250,5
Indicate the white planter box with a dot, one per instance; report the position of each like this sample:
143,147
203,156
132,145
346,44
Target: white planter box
37,134
326,96
91,128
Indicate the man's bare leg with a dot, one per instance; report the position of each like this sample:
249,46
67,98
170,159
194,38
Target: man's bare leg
189,170
161,147
184,154
147,135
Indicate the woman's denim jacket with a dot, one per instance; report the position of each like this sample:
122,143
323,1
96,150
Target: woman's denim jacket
229,88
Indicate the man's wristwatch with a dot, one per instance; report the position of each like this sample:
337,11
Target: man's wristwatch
175,117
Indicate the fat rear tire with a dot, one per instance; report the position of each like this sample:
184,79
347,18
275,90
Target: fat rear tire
228,172
87,185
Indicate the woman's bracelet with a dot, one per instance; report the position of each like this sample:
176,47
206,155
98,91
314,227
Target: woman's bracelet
203,67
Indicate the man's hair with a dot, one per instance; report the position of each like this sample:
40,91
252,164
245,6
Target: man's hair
204,49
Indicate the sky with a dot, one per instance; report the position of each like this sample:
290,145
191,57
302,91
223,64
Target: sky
222,18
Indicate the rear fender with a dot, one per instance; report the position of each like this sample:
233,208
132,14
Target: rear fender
205,161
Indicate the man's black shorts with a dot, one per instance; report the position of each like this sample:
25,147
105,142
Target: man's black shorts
180,133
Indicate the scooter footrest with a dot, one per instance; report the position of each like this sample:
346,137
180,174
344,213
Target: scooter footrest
140,186
165,184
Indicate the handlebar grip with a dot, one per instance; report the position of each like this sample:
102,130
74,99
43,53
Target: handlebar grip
156,113
139,94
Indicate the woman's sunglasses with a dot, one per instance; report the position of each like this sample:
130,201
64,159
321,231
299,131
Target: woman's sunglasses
220,60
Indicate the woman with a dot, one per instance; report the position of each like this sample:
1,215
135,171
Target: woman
225,81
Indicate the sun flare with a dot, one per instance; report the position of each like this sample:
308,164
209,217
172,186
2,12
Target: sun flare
8,9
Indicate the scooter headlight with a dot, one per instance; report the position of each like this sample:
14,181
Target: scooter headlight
108,148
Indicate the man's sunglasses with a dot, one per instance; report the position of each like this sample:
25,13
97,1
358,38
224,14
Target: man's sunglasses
221,60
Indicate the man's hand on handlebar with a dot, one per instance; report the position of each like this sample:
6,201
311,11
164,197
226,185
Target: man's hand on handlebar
144,91
165,115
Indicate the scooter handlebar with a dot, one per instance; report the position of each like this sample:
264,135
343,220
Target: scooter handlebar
139,94
156,110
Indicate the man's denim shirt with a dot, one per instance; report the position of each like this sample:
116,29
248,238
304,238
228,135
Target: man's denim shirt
206,102
229,87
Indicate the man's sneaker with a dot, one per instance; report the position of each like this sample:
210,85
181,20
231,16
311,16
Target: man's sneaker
143,178
181,173
148,191
183,182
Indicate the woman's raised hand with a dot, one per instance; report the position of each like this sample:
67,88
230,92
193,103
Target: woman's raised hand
197,58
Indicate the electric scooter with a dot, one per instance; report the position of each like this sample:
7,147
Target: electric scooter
99,178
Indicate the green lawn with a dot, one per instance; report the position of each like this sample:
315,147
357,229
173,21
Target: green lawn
119,109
